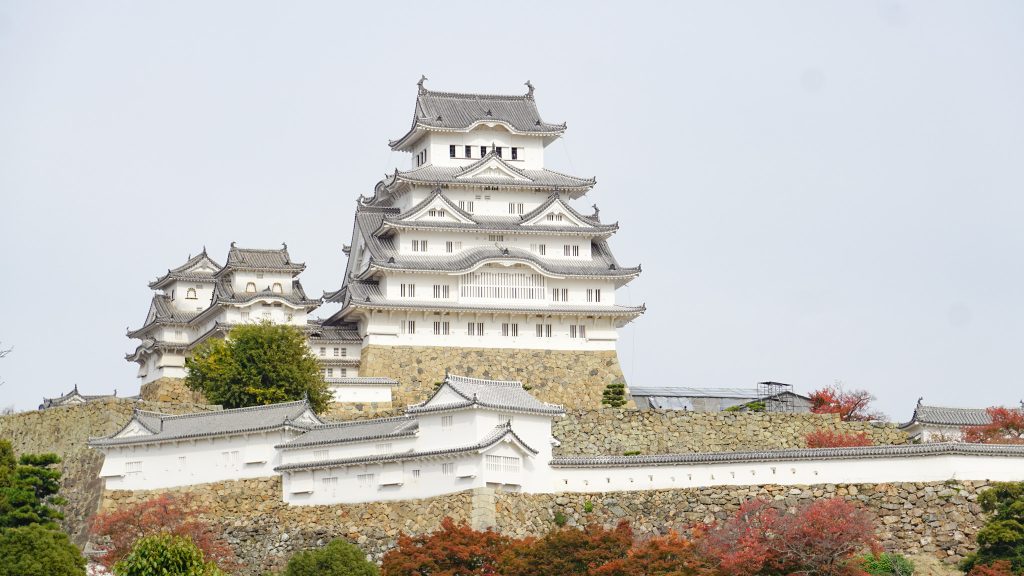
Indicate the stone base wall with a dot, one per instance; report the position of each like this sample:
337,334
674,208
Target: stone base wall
613,432
170,390
65,430
936,519
574,379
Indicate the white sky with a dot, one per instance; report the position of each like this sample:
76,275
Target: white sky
817,191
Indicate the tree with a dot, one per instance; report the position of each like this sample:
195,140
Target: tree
28,489
1002,537
567,551
830,439
454,549
166,555
36,550
850,405
338,558
120,529
257,364
819,539
669,555
1007,427
997,568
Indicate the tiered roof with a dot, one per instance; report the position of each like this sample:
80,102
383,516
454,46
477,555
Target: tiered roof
945,416
261,260
198,268
504,395
162,312
459,112
159,427
356,431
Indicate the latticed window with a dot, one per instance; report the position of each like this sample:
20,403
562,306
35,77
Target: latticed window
448,469
190,294
329,485
502,463
593,294
503,285
366,480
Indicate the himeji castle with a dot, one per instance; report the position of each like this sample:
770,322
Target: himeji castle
474,260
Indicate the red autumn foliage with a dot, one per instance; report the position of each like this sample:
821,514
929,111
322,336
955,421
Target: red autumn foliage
455,549
997,568
819,539
1007,427
849,404
567,551
161,514
830,439
669,555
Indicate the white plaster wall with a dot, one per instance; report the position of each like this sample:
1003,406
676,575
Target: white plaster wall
241,278
530,155
204,461
348,393
347,450
391,286
797,472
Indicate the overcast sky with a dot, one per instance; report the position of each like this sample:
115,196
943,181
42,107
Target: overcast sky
817,191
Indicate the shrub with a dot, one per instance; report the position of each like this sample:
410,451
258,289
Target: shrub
886,564
614,395
588,507
560,518
120,529
669,555
36,550
830,439
1002,536
997,568
1007,427
567,551
338,558
166,555
454,549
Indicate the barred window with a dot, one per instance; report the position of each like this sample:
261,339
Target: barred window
503,285
502,463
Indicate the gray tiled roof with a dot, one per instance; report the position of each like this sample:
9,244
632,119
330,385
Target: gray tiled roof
793,454
943,416
506,395
186,272
201,424
459,111
60,400
261,259
543,178
690,392
162,311
346,332
358,431
497,435
224,293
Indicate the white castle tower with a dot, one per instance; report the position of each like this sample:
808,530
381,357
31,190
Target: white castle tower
474,260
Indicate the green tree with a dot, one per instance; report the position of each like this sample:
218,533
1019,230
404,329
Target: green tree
1002,537
257,364
338,558
28,489
166,555
38,551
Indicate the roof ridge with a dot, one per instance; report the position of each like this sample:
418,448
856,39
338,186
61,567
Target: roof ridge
346,423
235,410
473,96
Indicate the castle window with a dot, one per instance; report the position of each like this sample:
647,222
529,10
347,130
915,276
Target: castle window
593,294
452,246
503,285
419,245
515,153
250,287
245,315
469,151
451,151
502,463
276,288
560,294
383,448
466,205
435,213
495,237
448,469
330,372
344,372
365,480
337,351
190,294
543,330
409,327
323,351
408,290
259,274
446,421
329,485
511,330
475,329
497,150
552,217
441,291
483,151
571,249
515,207
442,328
181,463
344,352
321,454
577,331
133,469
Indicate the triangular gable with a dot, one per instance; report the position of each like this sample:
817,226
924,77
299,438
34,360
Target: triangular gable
436,208
493,168
132,429
203,265
307,418
564,215
445,395
508,446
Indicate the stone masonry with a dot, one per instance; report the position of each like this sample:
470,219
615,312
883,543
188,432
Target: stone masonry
170,390
937,519
613,432
65,430
573,379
